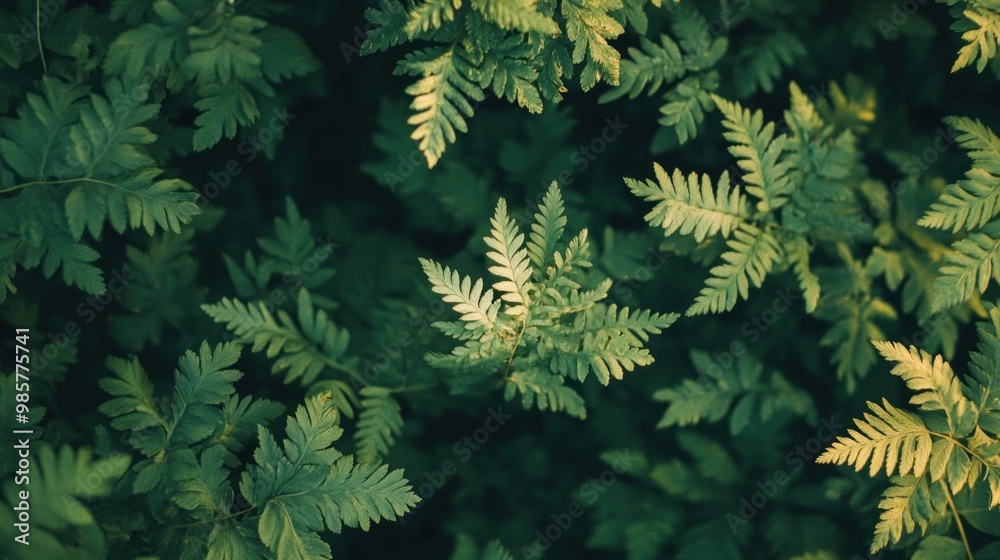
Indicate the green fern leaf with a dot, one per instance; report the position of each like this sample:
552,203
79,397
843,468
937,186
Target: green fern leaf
911,503
935,386
440,97
507,67
685,206
968,269
981,34
547,229
546,392
389,26
797,251
306,486
974,202
890,437
478,309
758,66
757,150
511,258
519,15
224,108
378,423
588,27
648,68
305,348
692,401
687,103
430,14
752,254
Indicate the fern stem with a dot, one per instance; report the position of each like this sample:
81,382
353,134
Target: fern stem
38,35
960,444
517,342
60,182
343,368
958,520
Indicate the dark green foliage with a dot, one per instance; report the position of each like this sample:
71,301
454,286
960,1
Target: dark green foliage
417,258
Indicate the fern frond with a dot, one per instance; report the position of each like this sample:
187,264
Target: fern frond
934,384
305,348
685,206
430,14
687,103
981,34
648,68
974,202
966,204
703,47
694,401
854,327
544,391
910,503
513,265
757,150
440,97
761,64
306,486
752,254
519,15
612,342
378,423
390,21
547,229
589,25
507,67
478,309
968,268
890,437
797,250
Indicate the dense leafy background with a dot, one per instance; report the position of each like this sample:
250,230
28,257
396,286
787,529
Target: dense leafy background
342,159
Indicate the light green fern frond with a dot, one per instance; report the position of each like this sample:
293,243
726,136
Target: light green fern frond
888,437
981,34
440,97
968,268
589,25
934,384
911,503
757,150
974,202
478,308
684,205
752,253
511,258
